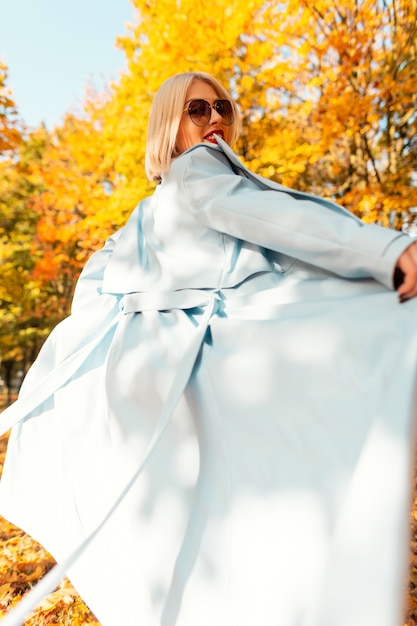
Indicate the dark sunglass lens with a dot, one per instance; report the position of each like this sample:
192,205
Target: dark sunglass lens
199,111
224,108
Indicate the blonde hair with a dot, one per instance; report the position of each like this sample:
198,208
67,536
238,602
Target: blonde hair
165,117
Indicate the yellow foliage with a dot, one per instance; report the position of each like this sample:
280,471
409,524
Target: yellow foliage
10,135
328,105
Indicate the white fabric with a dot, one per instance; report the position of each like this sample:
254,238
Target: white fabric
238,350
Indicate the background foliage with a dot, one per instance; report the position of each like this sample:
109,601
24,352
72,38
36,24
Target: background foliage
327,93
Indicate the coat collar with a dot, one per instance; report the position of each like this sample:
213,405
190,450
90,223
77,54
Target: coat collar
265,182
239,167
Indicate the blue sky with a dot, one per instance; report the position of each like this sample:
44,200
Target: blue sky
55,48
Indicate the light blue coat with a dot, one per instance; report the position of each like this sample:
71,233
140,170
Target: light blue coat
203,207
235,385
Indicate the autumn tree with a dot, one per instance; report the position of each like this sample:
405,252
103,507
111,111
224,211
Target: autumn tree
54,212
326,92
356,64
327,95
17,225
23,323
53,200
73,211
10,134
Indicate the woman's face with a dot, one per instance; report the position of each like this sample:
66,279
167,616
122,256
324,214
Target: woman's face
188,133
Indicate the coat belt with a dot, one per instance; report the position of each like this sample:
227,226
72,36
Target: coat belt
166,301
129,303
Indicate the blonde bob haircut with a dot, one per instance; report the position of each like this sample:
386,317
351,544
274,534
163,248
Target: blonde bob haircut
165,117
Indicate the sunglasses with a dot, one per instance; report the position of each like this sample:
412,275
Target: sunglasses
200,111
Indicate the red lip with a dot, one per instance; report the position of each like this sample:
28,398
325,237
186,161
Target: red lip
210,136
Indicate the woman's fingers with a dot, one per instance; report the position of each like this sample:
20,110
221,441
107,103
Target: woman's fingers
407,265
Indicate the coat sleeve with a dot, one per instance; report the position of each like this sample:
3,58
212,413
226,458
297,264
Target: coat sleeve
301,227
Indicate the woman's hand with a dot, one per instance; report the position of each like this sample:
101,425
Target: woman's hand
406,268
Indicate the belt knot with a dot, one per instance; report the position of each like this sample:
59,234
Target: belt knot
140,301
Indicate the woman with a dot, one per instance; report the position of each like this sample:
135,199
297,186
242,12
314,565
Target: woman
226,416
